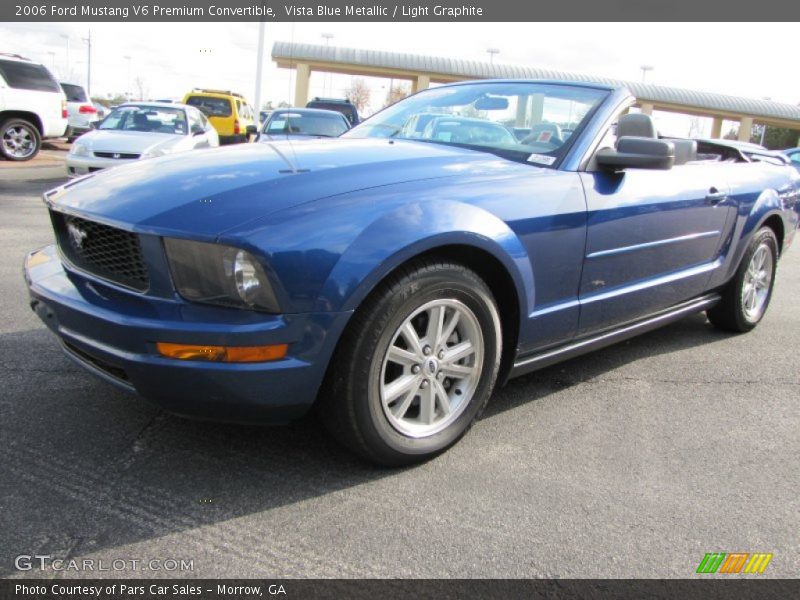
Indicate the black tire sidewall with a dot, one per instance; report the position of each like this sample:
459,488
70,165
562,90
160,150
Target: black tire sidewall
30,127
764,234
389,314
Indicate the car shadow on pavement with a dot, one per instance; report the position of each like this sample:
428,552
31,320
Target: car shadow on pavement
690,332
88,468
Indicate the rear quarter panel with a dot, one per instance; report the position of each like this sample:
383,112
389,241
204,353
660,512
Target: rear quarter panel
759,191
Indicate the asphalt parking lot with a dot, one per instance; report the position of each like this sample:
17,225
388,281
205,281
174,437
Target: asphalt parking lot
630,462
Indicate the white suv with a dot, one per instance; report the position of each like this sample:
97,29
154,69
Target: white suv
32,107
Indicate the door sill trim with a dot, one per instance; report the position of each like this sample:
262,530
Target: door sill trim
540,360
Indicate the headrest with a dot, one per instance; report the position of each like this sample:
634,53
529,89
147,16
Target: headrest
636,125
685,151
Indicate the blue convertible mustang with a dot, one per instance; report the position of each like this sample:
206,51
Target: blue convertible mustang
390,278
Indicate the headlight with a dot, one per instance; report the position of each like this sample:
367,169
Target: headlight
79,149
246,276
217,274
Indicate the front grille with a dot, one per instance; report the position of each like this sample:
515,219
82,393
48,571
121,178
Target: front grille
105,251
117,155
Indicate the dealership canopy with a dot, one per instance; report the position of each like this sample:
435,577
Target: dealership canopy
424,70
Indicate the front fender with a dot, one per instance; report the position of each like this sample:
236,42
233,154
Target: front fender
412,229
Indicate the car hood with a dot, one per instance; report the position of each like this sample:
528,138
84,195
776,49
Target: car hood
202,194
133,142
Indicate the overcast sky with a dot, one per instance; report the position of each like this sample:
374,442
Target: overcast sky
173,58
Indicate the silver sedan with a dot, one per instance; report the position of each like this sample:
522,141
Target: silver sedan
140,130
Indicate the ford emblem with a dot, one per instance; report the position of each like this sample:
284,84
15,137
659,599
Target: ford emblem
76,235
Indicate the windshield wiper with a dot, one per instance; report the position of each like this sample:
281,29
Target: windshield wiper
395,128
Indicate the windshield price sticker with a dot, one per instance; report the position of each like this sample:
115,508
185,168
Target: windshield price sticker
542,159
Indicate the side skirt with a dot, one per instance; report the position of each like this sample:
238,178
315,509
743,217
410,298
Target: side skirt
534,362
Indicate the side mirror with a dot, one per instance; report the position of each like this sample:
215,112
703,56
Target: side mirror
251,130
198,131
637,153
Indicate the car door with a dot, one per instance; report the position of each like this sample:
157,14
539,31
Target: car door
653,239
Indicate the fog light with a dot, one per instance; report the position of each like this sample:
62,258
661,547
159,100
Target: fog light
222,353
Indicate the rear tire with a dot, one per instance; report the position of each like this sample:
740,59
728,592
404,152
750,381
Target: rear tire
746,297
410,377
19,140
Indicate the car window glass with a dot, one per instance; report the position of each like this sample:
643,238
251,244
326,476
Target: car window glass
27,76
306,124
146,119
213,107
528,122
795,158
345,109
74,93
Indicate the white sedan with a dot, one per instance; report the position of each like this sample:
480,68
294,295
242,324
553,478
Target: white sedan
138,130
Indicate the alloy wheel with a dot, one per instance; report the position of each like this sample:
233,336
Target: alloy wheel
431,368
19,142
756,283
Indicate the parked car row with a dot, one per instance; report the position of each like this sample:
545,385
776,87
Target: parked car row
205,119
34,106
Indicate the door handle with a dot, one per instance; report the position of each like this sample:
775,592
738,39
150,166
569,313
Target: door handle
714,196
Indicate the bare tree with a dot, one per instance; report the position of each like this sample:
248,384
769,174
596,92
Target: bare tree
733,133
396,92
358,93
694,127
141,88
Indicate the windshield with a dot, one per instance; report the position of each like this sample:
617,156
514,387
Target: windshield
152,119
522,121
299,123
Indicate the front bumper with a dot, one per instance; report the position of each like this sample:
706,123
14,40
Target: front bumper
112,333
78,166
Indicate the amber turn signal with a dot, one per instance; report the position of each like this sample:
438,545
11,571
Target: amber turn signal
222,353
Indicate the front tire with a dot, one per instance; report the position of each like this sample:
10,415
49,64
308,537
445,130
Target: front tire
19,140
416,366
746,298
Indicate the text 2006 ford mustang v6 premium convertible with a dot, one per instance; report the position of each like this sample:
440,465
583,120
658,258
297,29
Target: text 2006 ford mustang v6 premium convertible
393,276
